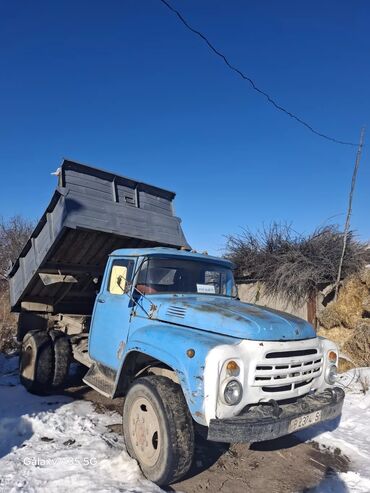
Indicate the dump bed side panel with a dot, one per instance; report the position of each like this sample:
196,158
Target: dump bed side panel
92,213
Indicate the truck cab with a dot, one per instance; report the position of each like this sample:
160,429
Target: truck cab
244,373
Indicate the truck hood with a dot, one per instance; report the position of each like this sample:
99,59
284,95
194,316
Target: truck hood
230,317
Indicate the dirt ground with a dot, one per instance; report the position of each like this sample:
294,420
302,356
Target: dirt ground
284,465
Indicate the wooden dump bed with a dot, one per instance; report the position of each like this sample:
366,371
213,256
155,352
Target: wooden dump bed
91,213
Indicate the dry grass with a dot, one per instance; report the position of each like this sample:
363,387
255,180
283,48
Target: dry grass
344,365
366,304
357,347
350,301
365,276
339,335
8,323
348,309
330,316
363,325
365,384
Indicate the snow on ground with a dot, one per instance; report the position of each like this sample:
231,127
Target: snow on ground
352,436
53,444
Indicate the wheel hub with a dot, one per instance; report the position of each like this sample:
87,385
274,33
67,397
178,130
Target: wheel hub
144,431
27,360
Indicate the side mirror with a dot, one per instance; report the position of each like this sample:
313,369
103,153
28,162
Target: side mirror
124,284
117,283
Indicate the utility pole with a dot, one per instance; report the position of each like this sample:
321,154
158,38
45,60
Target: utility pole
349,210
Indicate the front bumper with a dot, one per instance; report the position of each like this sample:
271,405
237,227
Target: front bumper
270,420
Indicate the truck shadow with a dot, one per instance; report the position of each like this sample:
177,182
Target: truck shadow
18,407
223,458
285,442
314,431
331,482
205,456
14,431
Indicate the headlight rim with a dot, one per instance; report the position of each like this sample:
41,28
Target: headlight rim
331,380
224,387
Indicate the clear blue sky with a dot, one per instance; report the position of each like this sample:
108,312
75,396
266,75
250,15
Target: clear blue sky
123,85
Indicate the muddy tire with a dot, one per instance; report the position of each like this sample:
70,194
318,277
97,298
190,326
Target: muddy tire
62,358
158,429
36,365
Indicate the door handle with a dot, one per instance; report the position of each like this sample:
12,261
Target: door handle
101,300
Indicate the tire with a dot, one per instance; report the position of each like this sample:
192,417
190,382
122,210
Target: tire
158,429
62,358
36,365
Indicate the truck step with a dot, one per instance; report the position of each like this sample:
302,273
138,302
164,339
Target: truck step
100,381
80,349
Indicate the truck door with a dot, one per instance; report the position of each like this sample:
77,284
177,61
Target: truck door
112,313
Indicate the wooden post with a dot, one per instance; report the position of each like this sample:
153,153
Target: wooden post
349,210
311,309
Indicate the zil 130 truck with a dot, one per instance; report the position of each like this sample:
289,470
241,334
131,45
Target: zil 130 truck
108,280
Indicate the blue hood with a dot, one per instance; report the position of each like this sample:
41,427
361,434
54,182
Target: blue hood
230,317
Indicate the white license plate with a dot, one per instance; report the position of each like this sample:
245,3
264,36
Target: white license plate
304,421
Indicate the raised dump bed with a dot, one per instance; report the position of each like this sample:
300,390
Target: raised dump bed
91,213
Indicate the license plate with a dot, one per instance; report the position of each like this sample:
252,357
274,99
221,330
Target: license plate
304,421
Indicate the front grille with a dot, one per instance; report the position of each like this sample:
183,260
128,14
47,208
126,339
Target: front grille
290,354
284,371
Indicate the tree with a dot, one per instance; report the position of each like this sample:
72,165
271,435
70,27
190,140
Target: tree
14,234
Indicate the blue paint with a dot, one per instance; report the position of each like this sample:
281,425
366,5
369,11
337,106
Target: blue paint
131,322
233,318
169,344
169,252
110,324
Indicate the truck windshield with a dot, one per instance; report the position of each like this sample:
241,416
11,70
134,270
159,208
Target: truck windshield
174,275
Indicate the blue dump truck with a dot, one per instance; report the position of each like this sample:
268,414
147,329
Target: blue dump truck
107,279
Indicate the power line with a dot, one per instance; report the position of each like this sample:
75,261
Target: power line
252,83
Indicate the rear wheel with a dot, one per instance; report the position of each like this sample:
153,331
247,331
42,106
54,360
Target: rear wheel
62,354
158,429
36,366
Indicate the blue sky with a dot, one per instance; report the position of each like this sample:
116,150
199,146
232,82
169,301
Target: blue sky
123,85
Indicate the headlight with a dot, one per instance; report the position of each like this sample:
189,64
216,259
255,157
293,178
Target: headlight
331,374
233,393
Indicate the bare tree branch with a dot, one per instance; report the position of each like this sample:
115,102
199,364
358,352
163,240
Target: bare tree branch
292,265
14,233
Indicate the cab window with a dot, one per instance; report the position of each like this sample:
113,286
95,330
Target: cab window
176,275
120,275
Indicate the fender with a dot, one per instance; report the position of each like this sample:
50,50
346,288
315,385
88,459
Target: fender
169,344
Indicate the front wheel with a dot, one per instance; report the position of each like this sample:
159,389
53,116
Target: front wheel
158,429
